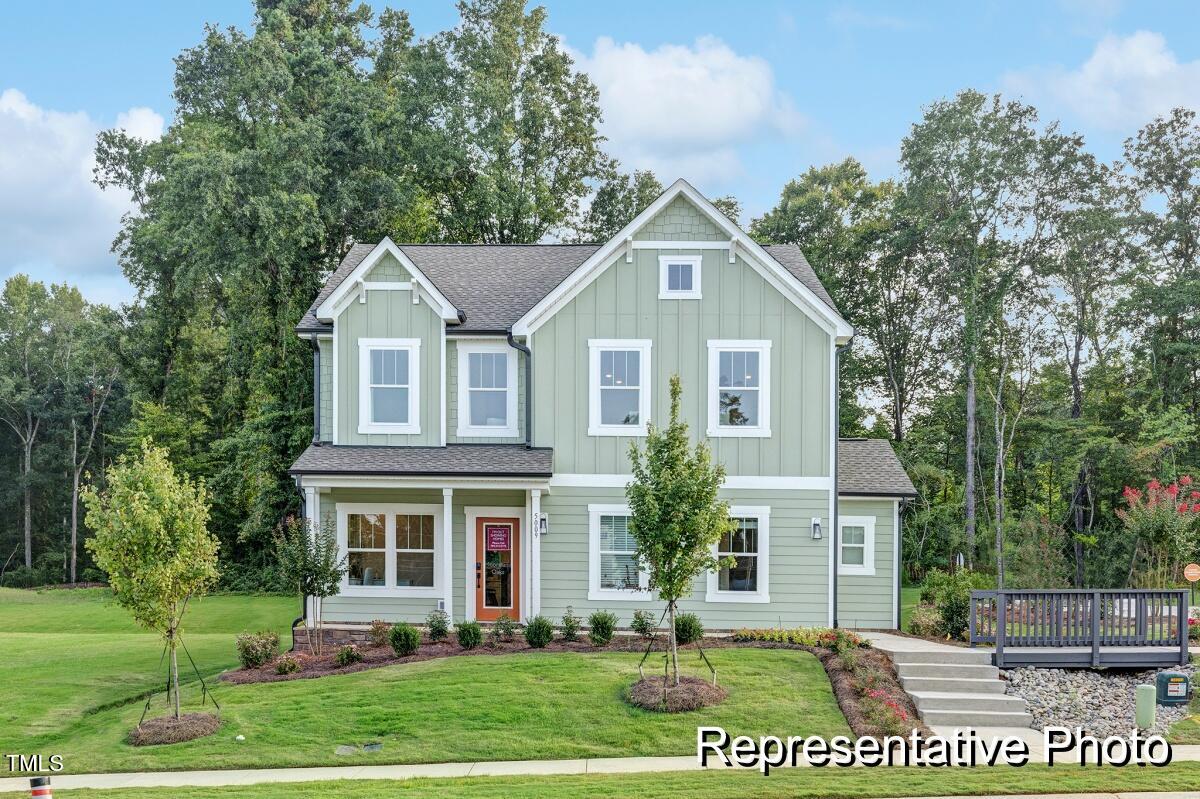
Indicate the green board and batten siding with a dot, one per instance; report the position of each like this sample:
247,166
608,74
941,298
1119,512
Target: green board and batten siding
452,435
389,314
869,601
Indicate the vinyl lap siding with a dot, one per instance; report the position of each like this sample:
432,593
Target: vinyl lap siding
869,601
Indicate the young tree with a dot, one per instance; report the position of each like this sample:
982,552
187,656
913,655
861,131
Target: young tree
152,539
308,558
675,515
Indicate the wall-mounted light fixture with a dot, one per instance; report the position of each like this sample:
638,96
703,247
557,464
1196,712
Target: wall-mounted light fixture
816,529
543,524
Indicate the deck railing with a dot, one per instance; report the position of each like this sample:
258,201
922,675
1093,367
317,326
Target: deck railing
1080,618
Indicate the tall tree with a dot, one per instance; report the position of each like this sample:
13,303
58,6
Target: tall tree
520,124
617,201
967,167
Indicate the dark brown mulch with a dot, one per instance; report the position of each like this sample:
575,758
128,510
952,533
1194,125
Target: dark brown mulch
692,693
171,730
849,697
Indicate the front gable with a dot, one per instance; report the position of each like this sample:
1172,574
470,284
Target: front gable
680,220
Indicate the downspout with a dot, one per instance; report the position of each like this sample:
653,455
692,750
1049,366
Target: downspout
899,542
835,538
512,342
303,617
316,439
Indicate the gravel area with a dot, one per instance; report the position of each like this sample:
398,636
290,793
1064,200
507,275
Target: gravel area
1101,702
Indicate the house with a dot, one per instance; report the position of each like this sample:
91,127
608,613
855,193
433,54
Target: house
477,403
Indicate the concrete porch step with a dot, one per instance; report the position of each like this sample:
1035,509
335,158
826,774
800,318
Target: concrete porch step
957,670
975,718
964,657
952,685
991,702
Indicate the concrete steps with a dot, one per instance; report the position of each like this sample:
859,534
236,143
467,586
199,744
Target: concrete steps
953,686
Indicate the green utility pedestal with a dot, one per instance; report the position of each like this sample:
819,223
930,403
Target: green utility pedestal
1173,688
1145,706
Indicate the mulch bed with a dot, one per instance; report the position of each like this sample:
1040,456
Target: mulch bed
850,699
171,730
692,693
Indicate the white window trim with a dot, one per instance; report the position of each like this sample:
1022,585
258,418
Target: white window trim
763,348
762,595
465,428
595,592
389,511
413,425
664,293
595,347
868,525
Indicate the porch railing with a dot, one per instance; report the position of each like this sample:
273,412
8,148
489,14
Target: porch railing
1080,618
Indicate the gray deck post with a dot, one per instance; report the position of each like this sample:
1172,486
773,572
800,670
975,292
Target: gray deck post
1095,629
1184,612
1001,627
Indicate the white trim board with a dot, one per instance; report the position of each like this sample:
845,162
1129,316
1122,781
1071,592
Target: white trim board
326,311
466,348
759,259
766,483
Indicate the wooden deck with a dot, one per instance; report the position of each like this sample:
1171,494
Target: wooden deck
1082,629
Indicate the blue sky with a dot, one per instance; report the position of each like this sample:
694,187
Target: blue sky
737,98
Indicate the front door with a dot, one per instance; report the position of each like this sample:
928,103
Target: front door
497,568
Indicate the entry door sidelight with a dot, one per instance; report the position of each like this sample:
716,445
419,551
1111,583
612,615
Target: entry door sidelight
497,568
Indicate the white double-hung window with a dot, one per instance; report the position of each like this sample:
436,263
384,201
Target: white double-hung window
391,549
389,385
487,389
748,545
739,388
613,568
619,386
856,545
679,277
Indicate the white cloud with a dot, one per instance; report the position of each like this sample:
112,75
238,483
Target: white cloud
684,110
54,222
1126,82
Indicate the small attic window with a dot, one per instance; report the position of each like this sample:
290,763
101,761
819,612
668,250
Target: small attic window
679,277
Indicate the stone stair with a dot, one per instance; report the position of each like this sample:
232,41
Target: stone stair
952,686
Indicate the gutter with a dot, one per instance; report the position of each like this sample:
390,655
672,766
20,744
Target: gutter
837,437
899,542
516,345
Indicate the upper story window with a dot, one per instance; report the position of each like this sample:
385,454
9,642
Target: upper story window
856,545
614,570
747,543
739,388
487,389
679,277
389,390
619,386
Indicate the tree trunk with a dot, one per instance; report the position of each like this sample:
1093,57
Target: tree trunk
969,487
26,470
74,497
171,642
674,647
998,480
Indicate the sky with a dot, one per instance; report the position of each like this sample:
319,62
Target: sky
736,97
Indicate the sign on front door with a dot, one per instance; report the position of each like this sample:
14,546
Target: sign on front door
497,568
499,537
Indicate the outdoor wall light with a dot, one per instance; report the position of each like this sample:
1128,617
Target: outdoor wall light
816,524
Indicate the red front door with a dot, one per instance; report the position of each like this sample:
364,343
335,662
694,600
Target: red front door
497,568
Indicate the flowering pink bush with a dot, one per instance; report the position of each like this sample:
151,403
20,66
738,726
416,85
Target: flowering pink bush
1164,521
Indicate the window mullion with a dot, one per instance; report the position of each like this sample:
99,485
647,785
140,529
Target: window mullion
389,536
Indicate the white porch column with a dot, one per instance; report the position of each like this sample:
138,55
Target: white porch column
535,555
448,551
312,514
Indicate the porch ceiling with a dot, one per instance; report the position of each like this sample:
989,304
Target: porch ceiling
453,460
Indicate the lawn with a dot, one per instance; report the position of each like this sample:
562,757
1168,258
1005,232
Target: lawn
68,653
802,783
483,707
908,601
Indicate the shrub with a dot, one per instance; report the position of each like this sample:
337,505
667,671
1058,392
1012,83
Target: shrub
688,628
405,639
643,624
570,625
503,629
347,655
539,632
838,640
287,665
469,634
380,633
925,621
885,712
437,623
601,626
952,596
255,649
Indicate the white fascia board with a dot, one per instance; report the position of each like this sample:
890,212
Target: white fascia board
327,310
770,269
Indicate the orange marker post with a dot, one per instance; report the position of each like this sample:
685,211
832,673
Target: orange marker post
39,788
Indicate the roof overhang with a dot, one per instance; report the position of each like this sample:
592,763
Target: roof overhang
328,309
770,269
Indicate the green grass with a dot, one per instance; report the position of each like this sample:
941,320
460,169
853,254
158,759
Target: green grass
908,601
67,653
515,707
802,783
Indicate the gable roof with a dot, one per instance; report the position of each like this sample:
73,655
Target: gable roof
495,286
868,467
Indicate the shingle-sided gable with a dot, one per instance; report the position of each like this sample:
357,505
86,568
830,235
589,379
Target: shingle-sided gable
681,220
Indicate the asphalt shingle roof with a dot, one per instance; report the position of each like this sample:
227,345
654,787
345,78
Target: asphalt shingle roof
491,460
496,284
869,467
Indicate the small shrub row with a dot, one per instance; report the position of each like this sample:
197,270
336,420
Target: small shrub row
405,639
255,649
348,655
287,665
838,640
539,632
